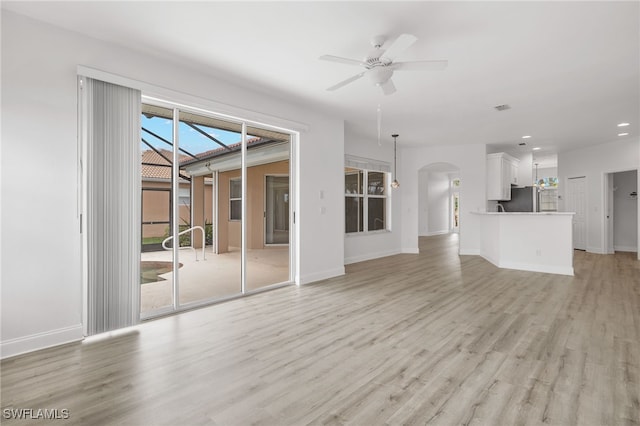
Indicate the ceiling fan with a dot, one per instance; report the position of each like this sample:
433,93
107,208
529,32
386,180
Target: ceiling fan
379,63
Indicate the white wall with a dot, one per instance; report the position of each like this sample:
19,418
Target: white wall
41,258
547,172
625,211
434,204
439,203
423,202
360,247
525,169
471,161
593,162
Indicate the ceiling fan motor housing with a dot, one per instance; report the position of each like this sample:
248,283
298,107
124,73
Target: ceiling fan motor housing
380,75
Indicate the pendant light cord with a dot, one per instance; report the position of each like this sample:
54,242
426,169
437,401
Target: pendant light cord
395,183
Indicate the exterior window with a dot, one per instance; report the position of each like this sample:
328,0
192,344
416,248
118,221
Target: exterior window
365,200
235,199
184,197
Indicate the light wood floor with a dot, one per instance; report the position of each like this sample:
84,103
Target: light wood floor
410,339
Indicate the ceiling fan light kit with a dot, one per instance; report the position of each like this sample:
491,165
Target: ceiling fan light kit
379,63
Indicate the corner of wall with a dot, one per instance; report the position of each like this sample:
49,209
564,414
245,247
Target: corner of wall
320,276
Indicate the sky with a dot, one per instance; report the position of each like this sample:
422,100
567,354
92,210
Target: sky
190,140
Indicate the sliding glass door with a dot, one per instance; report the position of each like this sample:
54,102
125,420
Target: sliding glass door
210,274
216,208
157,199
268,210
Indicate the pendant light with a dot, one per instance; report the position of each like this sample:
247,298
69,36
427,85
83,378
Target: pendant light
539,184
395,183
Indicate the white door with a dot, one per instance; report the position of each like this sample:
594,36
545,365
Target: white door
577,202
276,214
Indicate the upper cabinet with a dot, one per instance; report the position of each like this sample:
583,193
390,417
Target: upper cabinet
502,172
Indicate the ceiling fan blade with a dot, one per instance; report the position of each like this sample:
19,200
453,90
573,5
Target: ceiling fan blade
402,42
388,87
338,59
420,65
345,82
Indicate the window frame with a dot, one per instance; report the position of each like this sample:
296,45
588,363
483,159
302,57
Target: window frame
232,199
364,196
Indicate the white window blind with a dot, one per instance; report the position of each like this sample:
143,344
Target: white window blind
110,120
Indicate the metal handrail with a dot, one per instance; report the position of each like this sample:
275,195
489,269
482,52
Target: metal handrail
191,246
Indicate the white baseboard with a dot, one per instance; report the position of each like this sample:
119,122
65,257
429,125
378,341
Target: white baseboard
596,250
410,250
549,269
470,252
431,234
490,260
34,342
370,256
625,248
319,276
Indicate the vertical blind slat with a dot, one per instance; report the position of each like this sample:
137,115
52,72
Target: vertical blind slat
113,207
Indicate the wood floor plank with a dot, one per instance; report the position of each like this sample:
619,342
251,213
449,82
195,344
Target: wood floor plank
434,338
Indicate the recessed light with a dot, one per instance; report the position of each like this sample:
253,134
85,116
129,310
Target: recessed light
623,124
526,137
623,134
536,148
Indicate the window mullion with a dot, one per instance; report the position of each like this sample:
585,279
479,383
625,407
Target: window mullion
365,208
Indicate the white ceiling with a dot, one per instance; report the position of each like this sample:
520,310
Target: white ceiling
569,70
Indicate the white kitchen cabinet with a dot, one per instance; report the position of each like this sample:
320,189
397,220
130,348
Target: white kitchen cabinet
502,172
513,178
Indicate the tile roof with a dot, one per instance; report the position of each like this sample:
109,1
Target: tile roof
156,167
163,169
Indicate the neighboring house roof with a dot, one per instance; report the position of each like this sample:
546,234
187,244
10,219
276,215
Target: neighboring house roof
154,166
232,148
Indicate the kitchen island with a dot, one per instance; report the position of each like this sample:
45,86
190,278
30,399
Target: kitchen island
540,242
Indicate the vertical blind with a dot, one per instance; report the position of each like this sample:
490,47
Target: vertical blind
111,129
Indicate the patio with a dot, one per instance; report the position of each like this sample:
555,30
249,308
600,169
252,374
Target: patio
216,277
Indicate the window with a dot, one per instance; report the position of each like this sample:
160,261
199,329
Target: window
235,199
365,200
184,197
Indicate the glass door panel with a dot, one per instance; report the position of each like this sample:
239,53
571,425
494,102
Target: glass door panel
210,214
277,210
156,263
268,209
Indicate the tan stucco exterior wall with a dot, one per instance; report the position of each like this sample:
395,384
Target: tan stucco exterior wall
155,207
230,231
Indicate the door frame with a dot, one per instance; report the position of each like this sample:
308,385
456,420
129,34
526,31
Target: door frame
606,225
569,195
264,209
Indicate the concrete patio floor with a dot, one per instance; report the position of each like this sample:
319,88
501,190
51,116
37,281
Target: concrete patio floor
216,277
